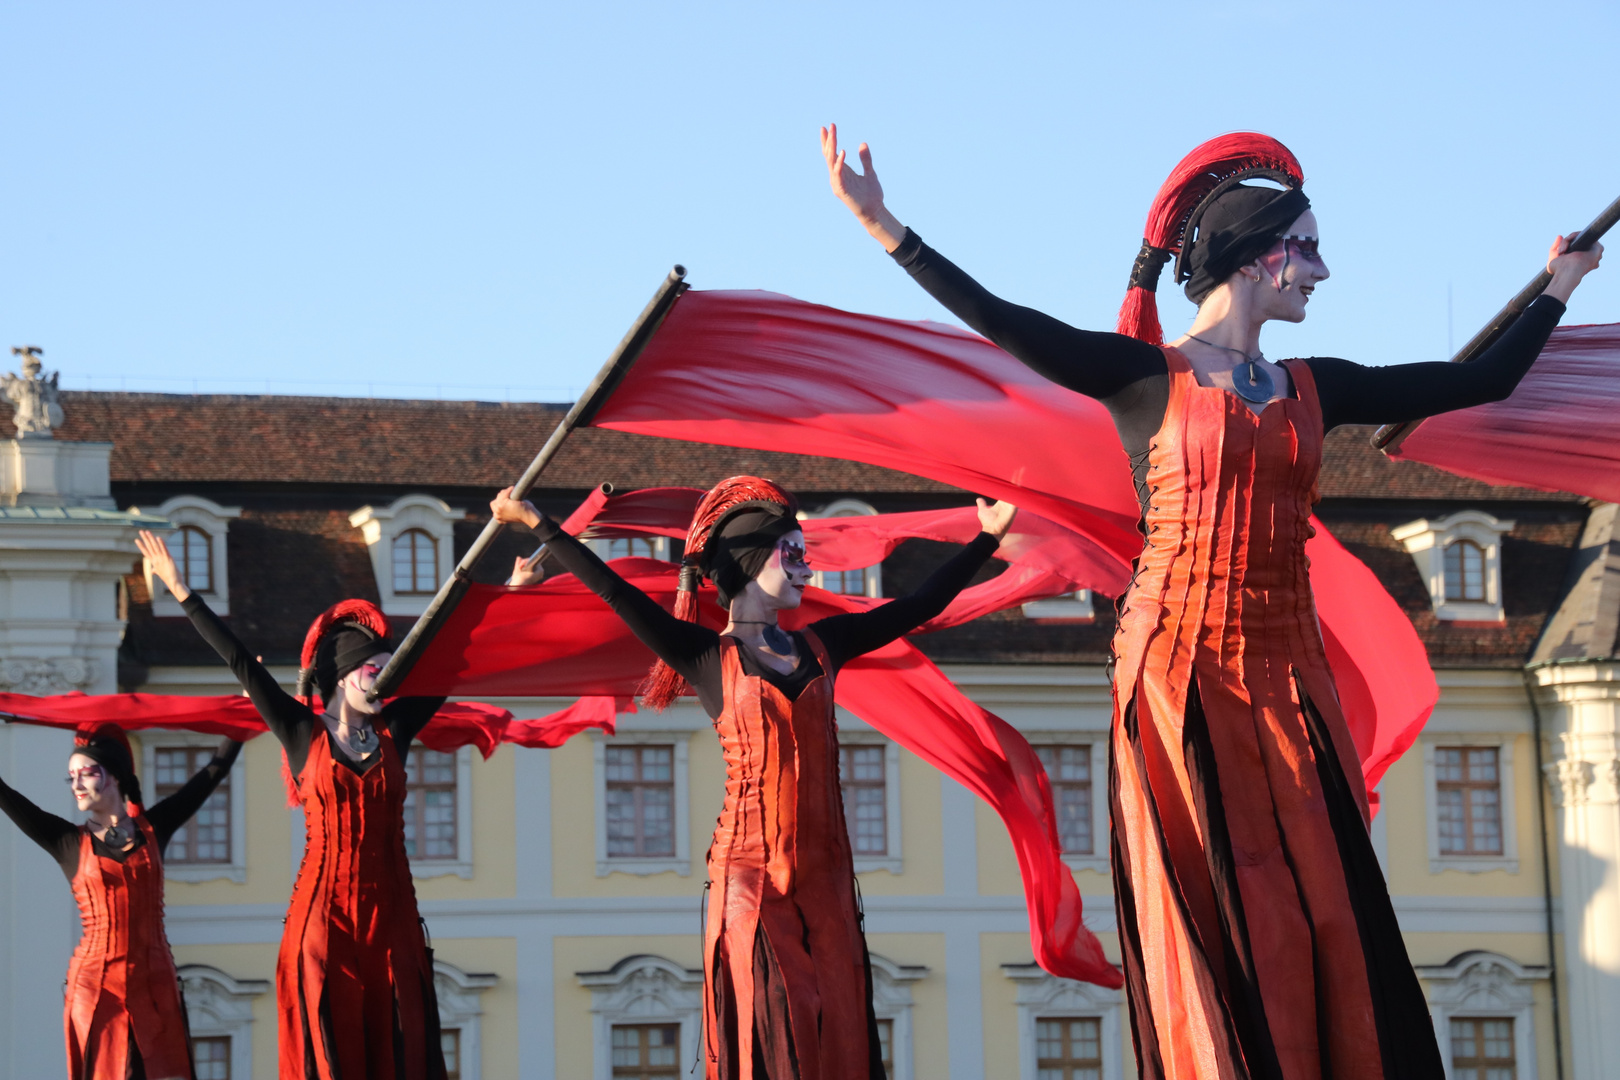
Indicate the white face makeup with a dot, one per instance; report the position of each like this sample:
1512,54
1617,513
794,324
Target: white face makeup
357,683
92,788
1290,272
782,582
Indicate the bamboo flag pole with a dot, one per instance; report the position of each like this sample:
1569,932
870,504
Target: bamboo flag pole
1389,437
583,411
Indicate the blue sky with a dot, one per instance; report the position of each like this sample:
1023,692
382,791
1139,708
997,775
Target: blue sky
474,200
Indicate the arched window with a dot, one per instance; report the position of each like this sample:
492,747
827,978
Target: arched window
1465,571
193,556
848,582
416,563
638,547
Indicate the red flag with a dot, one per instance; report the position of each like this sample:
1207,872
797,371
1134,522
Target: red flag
1559,431
552,731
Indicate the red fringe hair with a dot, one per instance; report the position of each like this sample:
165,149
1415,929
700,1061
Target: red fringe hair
1191,181
663,685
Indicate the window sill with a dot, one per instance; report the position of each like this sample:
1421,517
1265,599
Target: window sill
1476,864
193,873
865,864
643,867
422,869
1098,863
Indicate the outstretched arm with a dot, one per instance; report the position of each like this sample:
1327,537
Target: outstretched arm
1354,394
1099,365
680,644
288,719
58,836
171,813
406,717
857,633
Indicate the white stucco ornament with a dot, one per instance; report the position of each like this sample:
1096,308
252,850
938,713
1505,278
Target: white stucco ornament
35,396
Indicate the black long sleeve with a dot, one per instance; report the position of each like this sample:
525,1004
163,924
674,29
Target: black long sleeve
291,721
58,836
1354,394
693,651
858,632
172,812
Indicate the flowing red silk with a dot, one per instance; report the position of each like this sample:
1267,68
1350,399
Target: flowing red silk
558,639
550,732
1559,431
456,724
763,371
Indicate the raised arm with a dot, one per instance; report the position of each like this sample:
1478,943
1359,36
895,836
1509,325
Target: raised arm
1099,365
851,635
171,813
1354,394
58,836
680,644
288,719
406,717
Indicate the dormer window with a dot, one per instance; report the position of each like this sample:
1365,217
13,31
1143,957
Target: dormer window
412,546
1460,558
861,581
631,547
198,546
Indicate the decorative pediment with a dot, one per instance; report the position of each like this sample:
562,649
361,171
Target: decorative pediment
1481,981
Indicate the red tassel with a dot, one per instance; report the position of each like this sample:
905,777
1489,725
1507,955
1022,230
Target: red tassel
1139,316
663,684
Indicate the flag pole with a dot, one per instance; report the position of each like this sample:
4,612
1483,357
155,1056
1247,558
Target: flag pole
1389,437
584,410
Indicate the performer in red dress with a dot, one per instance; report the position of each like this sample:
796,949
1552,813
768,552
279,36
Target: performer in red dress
354,980
1256,930
123,1017
787,990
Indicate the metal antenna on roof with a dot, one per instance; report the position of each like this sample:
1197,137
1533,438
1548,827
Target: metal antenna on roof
584,410
1389,437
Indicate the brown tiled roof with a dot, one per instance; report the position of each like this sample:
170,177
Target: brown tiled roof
244,439
1352,469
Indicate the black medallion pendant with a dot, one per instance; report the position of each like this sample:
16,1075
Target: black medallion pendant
114,837
1252,382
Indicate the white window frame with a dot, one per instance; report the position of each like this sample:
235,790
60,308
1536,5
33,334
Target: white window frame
681,862
214,521
1074,607
1479,983
851,508
461,1006
1099,859
643,989
462,865
380,525
894,862
1472,864
236,869
218,1006
1046,997
1426,541
601,545
891,1000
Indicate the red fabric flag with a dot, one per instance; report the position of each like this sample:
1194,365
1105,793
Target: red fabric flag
1559,431
550,732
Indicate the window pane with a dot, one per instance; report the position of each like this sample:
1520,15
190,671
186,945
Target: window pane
644,1051
1452,822
1068,770
191,556
450,1042
1448,764
657,821
212,1057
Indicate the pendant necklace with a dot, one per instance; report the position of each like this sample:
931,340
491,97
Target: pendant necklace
357,745
774,635
1250,381
114,837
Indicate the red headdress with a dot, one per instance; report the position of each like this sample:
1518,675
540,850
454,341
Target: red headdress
362,614
108,746
1210,170
663,685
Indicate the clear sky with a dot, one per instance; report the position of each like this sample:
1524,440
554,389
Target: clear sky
475,199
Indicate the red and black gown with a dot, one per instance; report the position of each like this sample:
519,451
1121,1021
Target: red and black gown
354,978
788,989
123,1018
1257,933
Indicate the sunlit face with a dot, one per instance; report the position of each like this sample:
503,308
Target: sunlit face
782,582
1290,272
92,787
358,683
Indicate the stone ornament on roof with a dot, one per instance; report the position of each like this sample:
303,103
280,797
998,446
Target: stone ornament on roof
37,398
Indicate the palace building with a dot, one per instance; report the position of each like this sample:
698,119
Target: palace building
562,888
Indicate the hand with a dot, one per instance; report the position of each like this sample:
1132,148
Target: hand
863,194
1569,267
996,518
512,511
156,554
526,570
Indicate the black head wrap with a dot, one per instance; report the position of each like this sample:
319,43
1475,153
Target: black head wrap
113,755
1233,228
344,648
741,545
